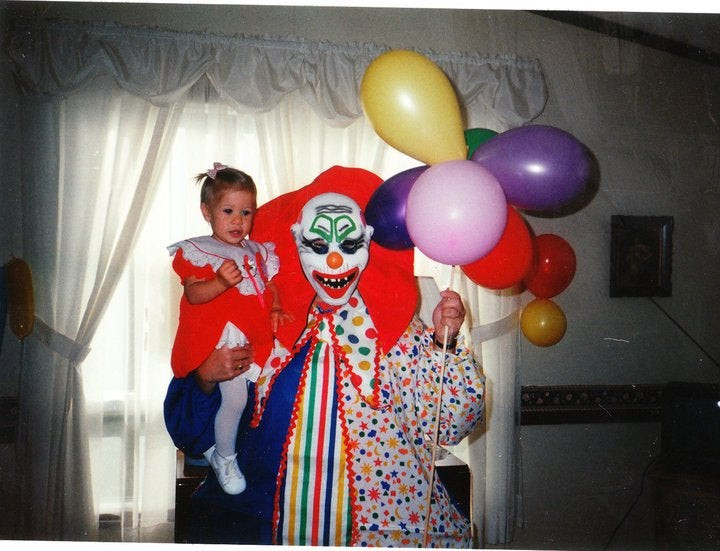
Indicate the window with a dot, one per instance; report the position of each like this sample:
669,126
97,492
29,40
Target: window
127,371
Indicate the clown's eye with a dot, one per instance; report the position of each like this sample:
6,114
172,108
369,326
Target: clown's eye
317,245
350,246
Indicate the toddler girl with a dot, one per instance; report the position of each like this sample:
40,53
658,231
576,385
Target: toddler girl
228,300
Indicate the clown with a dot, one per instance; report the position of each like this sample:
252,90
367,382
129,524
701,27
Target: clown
338,443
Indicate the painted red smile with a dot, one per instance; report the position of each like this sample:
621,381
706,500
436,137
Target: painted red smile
335,285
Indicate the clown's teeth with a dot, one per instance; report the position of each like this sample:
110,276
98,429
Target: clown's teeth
335,283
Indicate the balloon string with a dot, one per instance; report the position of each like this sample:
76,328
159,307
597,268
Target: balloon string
436,436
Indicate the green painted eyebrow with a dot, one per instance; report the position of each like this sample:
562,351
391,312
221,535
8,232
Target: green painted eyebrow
333,230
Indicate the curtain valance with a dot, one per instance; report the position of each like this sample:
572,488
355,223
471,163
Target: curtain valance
253,74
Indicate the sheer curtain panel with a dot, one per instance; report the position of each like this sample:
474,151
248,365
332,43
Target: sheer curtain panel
88,176
102,105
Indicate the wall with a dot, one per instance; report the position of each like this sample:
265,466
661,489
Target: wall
10,237
10,244
649,118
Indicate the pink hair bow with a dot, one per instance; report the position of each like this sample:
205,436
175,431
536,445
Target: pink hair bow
214,170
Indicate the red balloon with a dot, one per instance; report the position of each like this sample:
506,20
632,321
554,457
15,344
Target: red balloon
553,268
509,261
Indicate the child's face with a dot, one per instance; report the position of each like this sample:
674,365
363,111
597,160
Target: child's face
230,215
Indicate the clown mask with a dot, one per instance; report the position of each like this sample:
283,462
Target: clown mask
333,243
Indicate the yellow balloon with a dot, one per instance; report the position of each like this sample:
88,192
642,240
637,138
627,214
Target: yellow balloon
413,107
543,322
20,297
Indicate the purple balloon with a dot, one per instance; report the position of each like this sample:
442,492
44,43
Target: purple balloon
386,208
539,167
456,212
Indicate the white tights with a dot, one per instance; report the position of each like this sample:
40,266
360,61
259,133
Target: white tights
234,398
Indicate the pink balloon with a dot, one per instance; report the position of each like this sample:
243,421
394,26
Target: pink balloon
456,212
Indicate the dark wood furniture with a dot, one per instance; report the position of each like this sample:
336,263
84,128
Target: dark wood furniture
686,477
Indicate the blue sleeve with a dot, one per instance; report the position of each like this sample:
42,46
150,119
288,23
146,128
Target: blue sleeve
190,415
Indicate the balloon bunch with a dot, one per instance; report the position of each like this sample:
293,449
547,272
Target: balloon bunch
461,206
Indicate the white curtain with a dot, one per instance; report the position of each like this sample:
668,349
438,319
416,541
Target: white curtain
284,111
491,451
77,233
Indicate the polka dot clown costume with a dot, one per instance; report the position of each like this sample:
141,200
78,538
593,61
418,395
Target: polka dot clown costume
337,445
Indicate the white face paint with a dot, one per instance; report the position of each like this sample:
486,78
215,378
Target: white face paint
333,242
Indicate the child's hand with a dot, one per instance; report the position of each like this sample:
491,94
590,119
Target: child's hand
229,274
278,316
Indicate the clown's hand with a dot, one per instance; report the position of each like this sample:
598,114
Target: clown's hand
449,313
278,317
223,364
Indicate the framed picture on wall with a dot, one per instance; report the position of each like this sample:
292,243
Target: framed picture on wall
640,256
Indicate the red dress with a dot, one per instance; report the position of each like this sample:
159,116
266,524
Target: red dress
201,325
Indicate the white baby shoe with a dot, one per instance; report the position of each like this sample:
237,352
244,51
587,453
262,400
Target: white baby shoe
228,473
